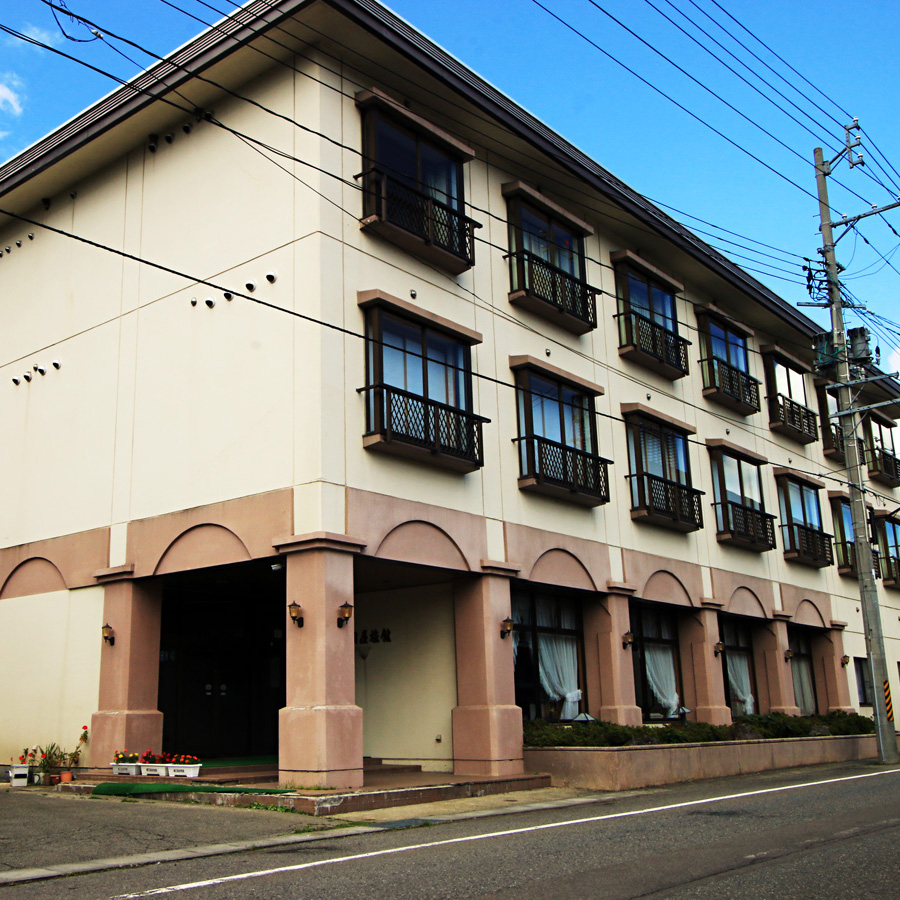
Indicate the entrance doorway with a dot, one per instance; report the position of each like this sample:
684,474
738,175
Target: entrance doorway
222,660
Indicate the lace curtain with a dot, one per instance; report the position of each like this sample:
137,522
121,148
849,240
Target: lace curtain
558,657
804,695
738,667
660,663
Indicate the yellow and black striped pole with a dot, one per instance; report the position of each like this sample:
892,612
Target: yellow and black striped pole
887,701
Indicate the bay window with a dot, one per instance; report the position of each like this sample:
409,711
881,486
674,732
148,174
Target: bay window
726,368
558,438
660,478
413,184
648,324
419,393
804,539
546,260
789,413
741,517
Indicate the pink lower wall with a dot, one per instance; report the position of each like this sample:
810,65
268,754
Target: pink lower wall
627,768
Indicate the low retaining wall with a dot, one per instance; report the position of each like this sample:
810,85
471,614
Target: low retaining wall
626,768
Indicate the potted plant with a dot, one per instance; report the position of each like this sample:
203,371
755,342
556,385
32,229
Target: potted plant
70,760
184,765
18,768
126,763
154,763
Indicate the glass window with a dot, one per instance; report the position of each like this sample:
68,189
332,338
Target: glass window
728,346
419,360
555,411
547,650
415,162
802,670
654,449
799,504
789,382
737,664
651,300
863,670
551,241
657,676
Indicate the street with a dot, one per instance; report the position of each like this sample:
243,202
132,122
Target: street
830,831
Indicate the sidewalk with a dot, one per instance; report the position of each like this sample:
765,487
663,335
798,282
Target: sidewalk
46,834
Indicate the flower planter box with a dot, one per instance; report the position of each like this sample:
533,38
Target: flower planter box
154,769
126,768
178,771
18,776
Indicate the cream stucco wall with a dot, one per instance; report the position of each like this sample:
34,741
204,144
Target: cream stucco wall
407,688
161,406
49,668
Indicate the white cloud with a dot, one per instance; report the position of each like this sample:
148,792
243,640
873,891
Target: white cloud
9,98
44,35
3,134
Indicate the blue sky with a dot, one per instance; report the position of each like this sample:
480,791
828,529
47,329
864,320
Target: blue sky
845,50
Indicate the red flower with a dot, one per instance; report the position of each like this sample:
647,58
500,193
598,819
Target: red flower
84,728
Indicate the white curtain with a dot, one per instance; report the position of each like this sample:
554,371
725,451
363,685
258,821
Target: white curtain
804,695
739,680
660,661
558,659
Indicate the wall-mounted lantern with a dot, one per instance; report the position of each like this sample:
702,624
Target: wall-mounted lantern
345,610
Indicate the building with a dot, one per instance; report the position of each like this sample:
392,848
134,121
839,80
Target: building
428,371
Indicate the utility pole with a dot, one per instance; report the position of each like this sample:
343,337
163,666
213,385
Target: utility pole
868,594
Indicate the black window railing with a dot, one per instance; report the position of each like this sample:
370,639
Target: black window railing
882,463
729,380
663,499
435,222
798,419
540,279
654,340
833,436
745,526
566,467
399,415
889,569
808,545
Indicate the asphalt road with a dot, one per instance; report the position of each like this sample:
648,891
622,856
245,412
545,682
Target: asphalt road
830,833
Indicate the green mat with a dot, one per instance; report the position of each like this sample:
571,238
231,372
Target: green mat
112,789
241,761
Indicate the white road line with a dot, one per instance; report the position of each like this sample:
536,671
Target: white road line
494,834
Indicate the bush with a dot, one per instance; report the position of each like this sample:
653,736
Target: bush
773,725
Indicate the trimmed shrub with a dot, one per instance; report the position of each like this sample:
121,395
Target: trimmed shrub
773,725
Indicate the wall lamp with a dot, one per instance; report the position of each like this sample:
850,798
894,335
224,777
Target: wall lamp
296,613
506,627
718,647
108,635
788,655
345,610
845,661
627,639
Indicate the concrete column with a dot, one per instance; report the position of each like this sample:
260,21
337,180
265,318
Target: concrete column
609,670
704,685
487,724
770,644
832,689
127,717
320,734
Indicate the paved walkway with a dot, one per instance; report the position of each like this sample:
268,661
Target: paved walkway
46,834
